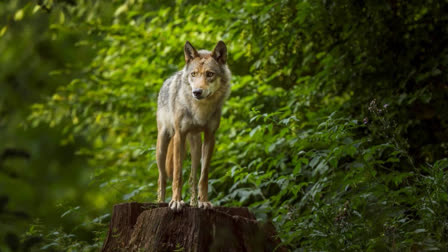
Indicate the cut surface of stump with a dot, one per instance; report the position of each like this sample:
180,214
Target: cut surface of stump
155,227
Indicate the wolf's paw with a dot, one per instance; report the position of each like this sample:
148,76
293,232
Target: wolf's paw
205,204
176,205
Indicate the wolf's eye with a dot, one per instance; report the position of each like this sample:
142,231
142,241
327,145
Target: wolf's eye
193,74
210,74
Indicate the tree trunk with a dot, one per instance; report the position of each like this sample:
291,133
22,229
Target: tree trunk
155,227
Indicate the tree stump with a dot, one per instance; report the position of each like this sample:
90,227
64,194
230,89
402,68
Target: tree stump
155,227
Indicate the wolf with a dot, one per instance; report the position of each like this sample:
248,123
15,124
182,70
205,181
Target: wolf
190,103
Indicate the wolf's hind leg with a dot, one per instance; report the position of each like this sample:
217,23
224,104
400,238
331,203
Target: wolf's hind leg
163,139
194,139
207,151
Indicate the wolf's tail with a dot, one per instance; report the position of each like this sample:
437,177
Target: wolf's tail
169,163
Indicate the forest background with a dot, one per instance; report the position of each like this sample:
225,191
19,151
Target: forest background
336,129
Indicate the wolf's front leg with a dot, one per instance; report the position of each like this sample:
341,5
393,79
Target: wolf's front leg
194,139
207,151
161,149
176,202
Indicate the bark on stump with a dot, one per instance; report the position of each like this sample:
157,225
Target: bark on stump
155,227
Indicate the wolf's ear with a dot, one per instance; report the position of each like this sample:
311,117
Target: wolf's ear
190,52
220,52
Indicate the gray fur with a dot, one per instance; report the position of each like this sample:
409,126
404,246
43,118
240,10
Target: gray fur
175,95
179,112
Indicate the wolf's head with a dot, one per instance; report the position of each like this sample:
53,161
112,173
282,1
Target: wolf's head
206,71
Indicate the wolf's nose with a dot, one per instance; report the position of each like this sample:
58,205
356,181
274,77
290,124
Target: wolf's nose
197,92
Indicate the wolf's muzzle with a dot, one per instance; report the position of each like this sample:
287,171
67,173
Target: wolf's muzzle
197,93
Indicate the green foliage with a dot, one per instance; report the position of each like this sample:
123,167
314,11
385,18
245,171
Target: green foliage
335,129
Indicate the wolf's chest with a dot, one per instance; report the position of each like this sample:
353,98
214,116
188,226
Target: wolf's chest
202,114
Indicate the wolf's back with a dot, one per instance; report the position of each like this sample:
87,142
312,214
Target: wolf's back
164,93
